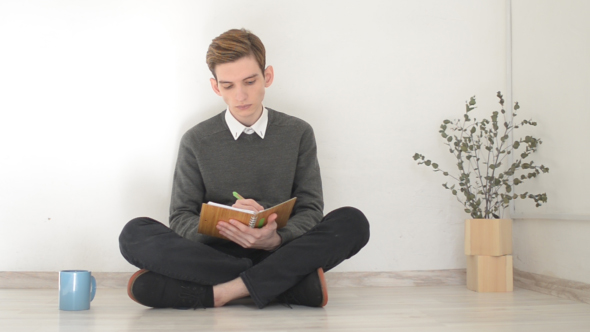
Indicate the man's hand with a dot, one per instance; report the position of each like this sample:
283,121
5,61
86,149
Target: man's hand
265,238
248,204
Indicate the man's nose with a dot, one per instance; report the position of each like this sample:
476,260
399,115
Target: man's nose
241,94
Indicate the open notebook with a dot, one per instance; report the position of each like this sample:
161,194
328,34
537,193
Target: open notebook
212,212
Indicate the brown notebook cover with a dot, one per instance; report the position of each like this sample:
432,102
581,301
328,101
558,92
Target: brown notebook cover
211,213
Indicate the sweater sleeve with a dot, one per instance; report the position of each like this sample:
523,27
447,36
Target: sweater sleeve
187,191
307,187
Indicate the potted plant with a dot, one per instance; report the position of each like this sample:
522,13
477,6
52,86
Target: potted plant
491,163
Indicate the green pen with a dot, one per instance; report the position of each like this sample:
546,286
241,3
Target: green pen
238,196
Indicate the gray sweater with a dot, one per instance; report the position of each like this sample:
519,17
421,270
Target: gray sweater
211,165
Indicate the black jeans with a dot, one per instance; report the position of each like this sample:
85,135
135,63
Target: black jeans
151,245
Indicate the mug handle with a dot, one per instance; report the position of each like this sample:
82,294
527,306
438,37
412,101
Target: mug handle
93,288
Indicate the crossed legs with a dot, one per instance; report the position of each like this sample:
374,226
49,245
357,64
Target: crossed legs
151,245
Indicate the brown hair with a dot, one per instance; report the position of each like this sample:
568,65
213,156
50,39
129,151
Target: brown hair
235,44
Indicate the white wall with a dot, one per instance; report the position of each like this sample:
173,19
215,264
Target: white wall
551,68
96,94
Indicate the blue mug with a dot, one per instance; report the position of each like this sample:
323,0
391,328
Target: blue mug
76,290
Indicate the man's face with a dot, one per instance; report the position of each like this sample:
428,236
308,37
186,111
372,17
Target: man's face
241,84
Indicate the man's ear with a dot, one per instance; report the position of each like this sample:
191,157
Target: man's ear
269,76
214,86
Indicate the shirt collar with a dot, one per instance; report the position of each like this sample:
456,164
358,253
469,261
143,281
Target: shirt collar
236,128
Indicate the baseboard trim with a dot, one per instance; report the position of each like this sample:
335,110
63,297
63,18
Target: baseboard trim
397,279
49,280
566,289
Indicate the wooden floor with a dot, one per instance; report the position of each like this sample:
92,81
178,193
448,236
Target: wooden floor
440,308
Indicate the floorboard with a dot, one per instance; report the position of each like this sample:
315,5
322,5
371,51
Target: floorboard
416,309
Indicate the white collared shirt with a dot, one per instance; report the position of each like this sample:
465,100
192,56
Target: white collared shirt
236,128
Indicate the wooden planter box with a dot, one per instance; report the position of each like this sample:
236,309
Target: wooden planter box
488,248
488,237
490,273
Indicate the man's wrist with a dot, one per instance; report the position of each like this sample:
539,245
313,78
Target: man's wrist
278,240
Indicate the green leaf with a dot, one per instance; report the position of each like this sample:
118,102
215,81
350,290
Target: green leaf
434,165
427,162
495,116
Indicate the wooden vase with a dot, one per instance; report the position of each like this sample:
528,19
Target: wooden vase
488,247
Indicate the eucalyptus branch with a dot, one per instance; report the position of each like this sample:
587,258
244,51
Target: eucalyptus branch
493,183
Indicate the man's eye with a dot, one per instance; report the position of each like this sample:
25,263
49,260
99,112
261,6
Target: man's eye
227,87
250,82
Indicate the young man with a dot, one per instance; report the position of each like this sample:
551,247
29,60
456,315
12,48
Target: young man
268,157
